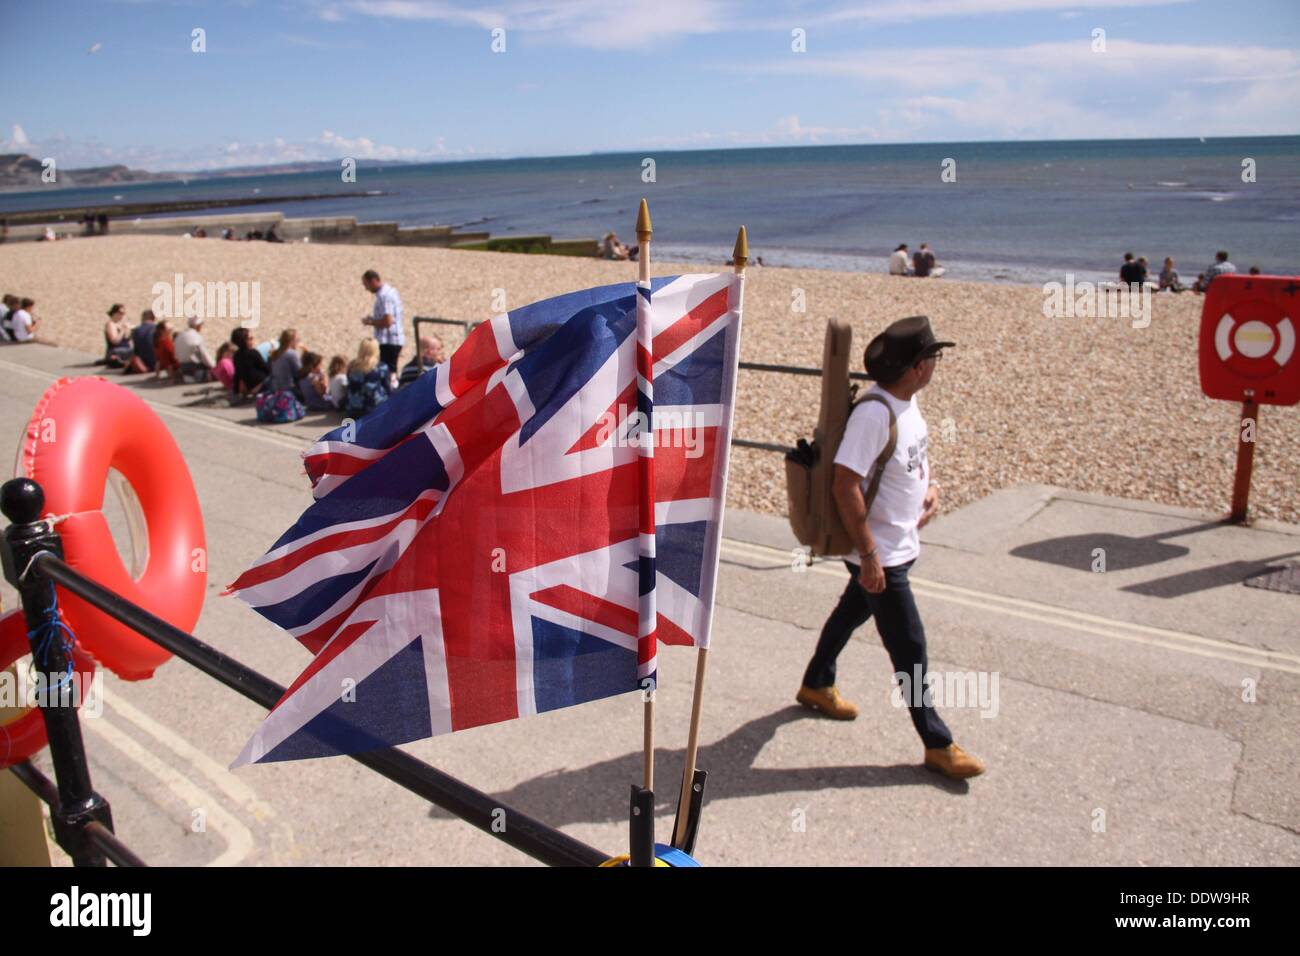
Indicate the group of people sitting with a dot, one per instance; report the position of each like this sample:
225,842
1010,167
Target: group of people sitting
920,264
285,381
611,248
199,232
1134,271
17,324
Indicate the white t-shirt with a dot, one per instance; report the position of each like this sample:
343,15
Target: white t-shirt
190,348
901,495
388,302
898,263
339,389
22,325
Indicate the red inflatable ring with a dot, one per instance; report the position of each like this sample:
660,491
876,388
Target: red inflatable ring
80,429
25,734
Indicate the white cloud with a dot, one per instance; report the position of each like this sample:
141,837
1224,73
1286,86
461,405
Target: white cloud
329,145
595,24
907,11
19,138
1065,90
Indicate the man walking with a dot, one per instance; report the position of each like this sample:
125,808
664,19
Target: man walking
883,501
386,319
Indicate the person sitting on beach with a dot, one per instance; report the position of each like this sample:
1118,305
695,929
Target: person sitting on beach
103,224
117,338
312,384
338,379
1169,281
228,233
899,263
7,310
1254,270
431,354
286,362
1144,270
251,369
200,233
48,235
369,380
923,263
224,369
22,323
196,363
272,236
143,358
164,350
1128,272
611,248
1220,267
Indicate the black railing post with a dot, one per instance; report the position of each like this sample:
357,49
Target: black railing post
22,501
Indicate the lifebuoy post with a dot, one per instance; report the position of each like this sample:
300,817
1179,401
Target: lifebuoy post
1248,354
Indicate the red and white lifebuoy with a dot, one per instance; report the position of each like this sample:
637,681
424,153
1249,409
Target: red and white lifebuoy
1255,344
80,429
24,735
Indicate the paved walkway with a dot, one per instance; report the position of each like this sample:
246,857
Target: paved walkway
1116,715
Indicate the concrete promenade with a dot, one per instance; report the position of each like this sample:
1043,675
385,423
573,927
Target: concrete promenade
1146,714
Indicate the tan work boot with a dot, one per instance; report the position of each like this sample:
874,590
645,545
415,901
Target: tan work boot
828,701
952,761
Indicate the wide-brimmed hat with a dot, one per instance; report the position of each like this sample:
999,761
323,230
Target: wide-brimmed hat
903,344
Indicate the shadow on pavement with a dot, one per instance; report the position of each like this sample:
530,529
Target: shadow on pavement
1202,579
1122,552
598,793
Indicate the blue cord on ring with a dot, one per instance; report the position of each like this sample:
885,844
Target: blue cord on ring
53,626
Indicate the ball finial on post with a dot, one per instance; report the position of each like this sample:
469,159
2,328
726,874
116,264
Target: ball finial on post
22,500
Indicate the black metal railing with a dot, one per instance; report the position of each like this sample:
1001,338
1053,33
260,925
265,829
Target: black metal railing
83,823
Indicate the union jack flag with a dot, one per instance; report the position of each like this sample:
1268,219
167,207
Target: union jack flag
482,545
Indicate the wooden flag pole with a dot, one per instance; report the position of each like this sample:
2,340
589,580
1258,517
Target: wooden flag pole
644,231
740,256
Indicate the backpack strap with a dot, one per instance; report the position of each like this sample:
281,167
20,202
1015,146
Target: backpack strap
878,469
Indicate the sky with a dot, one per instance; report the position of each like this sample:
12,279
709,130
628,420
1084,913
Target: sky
123,81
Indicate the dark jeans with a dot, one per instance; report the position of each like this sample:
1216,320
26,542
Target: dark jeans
901,631
388,355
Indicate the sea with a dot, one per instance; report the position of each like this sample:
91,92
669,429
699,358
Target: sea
1025,212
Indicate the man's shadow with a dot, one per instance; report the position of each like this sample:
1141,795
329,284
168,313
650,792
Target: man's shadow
598,793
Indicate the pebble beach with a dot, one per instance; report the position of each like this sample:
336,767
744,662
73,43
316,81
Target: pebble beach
1091,404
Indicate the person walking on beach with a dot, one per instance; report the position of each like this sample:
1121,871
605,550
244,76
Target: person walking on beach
386,319
901,360
899,263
